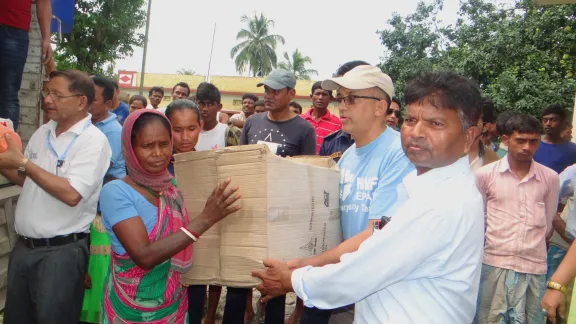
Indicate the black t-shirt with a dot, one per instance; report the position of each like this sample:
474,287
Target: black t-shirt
287,138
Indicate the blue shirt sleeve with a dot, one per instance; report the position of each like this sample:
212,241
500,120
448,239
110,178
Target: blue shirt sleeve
390,176
567,178
119,202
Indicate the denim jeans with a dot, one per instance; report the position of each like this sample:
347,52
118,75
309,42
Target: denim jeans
13,54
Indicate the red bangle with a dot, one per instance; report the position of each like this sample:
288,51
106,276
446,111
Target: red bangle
194,233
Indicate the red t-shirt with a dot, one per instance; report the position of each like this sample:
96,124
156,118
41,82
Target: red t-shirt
16,13
327,125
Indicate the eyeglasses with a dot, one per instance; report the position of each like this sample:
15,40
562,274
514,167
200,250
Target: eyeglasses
351,99
396,112
210,104
55,97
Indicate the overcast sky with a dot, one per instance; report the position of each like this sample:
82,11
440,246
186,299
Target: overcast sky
181,32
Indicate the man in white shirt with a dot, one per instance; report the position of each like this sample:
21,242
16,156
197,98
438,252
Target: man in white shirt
424,265
61,174
214,135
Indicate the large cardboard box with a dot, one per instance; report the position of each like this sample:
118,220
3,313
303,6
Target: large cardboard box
289,210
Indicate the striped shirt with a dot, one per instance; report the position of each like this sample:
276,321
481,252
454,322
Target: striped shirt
519,214
325,126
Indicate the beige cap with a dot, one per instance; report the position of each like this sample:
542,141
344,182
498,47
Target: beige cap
362,77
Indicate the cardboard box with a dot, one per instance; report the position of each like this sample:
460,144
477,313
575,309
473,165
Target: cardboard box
289,210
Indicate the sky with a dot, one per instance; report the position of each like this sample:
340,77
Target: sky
181,32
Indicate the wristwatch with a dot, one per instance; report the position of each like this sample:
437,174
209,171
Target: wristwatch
22,167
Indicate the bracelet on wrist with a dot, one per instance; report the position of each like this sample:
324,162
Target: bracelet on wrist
190,234
556,286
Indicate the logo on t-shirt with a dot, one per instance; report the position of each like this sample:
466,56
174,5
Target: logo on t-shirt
274,140
358,190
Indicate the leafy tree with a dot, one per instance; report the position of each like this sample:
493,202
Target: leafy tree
523,56
297,65
256,51
186,72
104,31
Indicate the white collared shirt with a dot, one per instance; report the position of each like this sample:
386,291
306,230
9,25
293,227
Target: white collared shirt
40,215
422,267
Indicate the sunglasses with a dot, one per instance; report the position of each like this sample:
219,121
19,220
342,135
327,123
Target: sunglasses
396,112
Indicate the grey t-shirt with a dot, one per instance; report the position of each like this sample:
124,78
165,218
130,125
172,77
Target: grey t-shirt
287,138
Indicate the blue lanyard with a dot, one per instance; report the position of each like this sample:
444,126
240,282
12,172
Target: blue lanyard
62,156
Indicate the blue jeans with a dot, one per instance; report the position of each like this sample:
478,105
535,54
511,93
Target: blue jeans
13,54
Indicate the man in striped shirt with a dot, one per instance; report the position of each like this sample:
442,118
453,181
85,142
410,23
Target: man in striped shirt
319,117
521,198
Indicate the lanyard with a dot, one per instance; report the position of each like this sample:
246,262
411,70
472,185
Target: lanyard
62,156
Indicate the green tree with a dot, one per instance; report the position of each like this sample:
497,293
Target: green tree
186,72
523,56
104,31
413,43
297,65
256,52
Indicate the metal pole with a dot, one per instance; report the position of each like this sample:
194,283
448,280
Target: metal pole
143,70
211,50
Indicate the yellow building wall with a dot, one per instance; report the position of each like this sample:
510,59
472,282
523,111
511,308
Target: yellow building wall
231,87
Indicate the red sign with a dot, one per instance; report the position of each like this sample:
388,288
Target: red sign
126,79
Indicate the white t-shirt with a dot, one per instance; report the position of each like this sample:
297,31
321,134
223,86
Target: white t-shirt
40,215
212,139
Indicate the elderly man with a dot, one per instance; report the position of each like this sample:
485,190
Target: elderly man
61,173
424,265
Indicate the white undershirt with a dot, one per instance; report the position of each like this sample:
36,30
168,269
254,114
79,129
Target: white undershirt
212,139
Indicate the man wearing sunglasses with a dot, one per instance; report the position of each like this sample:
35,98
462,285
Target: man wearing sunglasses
393,114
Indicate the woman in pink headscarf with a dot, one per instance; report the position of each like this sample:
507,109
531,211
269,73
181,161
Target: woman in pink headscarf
150,234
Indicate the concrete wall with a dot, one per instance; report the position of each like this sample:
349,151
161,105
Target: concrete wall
29,116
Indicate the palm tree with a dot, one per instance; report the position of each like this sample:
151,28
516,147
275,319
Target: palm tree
297,65
186,72
256,51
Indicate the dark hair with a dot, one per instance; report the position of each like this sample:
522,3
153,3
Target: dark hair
346,67
139,98
296,105
447,90
488,111
183,85
396,100
157,89
259,103
106,85
208,91
555,109
78,82
318,85
180,105
523,124
145,119
115,84
502,120
249,96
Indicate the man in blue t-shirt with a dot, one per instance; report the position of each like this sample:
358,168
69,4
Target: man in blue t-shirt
554,150
106,122
122,110
372,168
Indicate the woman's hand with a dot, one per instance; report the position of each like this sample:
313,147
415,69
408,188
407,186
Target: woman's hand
553,301
219,204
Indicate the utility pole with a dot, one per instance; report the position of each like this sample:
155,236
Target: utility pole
143,70
211,50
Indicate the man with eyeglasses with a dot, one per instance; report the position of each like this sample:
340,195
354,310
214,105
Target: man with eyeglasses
214,134
61,174
393,114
